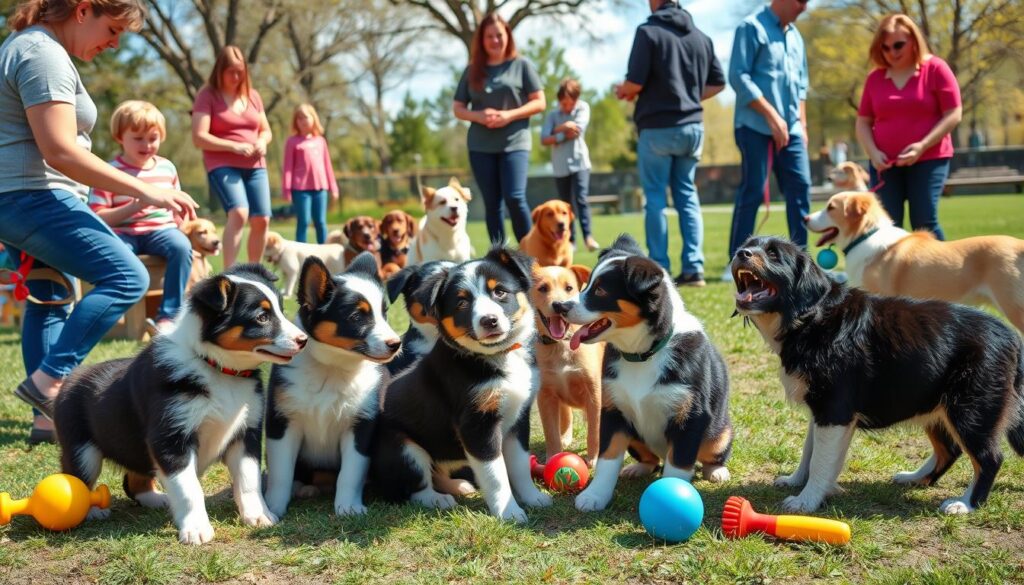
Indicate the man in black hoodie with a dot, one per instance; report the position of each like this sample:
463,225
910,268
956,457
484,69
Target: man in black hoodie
672,69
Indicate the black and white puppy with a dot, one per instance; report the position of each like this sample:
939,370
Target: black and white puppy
190,398
666,388
468,400
322,407
419,339
856,360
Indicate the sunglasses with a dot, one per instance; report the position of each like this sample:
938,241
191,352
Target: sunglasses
898,45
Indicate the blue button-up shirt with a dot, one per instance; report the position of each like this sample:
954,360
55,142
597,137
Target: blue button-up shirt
568,156
768,61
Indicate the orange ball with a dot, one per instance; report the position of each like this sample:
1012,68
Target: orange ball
566,472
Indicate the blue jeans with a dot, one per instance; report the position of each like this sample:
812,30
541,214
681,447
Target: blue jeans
501,176
307,203
173,246
919,185
246,188
792,171
573,189
60,231
667,158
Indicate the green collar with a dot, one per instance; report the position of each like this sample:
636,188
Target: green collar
643,357
846,250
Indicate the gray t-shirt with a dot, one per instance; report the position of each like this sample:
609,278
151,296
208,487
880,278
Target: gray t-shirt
35,69
507,87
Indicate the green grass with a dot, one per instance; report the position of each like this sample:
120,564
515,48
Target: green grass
898,536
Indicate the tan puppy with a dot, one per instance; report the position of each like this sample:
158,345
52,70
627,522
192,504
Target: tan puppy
568,379
288,256
548,239
888,260
363,233
442,231
397,229
202,234
849,176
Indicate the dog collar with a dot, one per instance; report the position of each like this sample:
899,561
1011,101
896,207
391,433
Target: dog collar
548,340
643,357
229,371
853,244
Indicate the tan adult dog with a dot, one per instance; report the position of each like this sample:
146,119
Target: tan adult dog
202,234
568,379
548,240
849,176
288,256
888,260
442,231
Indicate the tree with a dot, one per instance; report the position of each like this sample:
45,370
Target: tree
411,135
610,138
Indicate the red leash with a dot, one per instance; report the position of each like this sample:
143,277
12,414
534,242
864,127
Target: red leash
19,277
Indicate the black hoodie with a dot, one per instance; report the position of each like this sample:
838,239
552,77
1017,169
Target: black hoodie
674,61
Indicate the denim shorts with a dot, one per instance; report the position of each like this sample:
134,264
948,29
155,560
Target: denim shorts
245,188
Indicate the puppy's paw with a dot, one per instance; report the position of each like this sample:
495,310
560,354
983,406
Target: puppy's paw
277,504
431,499
195,532
801,504
716,473
956,506
909,478
349,508
152,499
305,491
261,519
97,513
535,498
588,501
462,487
514,513
791,481
637,470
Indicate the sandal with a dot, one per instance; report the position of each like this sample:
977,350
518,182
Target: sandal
40,436
28,392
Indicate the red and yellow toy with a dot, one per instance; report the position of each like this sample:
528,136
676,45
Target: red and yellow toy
59,502
739,519
564,472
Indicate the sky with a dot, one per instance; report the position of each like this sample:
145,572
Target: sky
599,64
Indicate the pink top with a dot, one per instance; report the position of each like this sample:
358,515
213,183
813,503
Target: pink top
226,124
904,116
307,167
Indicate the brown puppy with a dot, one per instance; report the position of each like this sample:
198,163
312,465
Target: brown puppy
849,176
363,235
202,234
397,230
548,239
888,260
568,379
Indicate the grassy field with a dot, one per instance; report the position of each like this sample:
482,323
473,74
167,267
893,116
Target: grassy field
898,537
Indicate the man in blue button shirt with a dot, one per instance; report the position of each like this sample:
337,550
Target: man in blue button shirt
768,71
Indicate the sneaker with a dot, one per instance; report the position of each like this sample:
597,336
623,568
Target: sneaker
727,275
695,279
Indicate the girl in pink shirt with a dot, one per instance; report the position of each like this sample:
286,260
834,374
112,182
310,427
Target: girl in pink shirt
910,104
308,174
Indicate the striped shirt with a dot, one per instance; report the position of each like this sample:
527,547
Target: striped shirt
149,218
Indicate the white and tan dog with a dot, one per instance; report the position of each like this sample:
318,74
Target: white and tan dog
442,231
889,260
288,257
849,176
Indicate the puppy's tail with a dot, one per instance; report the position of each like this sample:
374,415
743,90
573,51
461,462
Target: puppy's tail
1016,432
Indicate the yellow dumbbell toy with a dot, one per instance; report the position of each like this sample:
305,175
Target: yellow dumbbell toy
59,502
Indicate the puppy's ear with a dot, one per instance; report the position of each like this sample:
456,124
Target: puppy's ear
365,263
188,227
643,275
430,292
215,293
454,183
626,243
809,282
315,284
582,274
466,194
856,206
516,262
347,228
398,282
380,226
535,215
428,196
411,224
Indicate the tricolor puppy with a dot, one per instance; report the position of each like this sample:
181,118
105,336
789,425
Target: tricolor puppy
888,260
568,379
849,176
288,256
419,339
856,360
468,400
442,231
322,407
191,398
666,388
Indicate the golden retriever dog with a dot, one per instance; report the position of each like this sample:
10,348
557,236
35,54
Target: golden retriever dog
568,379
548,240
397,229
849,176
888,260
202,234
288,256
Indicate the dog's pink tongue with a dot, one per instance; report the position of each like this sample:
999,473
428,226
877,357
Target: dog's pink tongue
577,337
556,325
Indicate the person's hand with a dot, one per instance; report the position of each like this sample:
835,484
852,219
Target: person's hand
244,149
879,160
780,131
179,202
571,130
910,154
487,116
260,148
620,92
499,120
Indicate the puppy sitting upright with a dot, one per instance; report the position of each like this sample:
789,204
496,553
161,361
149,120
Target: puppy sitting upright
469,399
322,407
191,398
666,386
860,361
419,339
397,229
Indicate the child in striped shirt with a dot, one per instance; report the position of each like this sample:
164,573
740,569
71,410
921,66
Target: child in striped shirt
139,128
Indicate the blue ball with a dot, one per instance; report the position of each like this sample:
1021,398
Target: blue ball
671,509
827,258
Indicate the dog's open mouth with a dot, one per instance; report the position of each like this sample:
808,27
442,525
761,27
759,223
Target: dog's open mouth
276,357
827,236
589,332
451,220
557,326
750,288
559,234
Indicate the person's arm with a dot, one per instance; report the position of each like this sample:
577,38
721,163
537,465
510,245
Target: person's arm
265,135
945,125
714,83
204,140
627,90
333,186
101,203
741,67
535,104
638,68
866,139
803,122
54,130
547,131
461,111
287,168
711,91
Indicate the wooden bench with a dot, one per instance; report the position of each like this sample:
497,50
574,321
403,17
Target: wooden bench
984,176
609,203
132,325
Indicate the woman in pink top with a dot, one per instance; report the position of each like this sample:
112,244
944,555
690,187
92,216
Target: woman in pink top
308,174
911,103
231,127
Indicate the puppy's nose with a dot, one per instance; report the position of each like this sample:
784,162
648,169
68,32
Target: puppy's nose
394,344
561,225
489,321
562,307
301,339
744,253
807,218
453,208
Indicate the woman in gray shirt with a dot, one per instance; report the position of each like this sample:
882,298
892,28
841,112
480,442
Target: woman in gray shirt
46,170
497,94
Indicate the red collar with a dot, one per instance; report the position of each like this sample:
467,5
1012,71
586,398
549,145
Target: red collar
229,371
